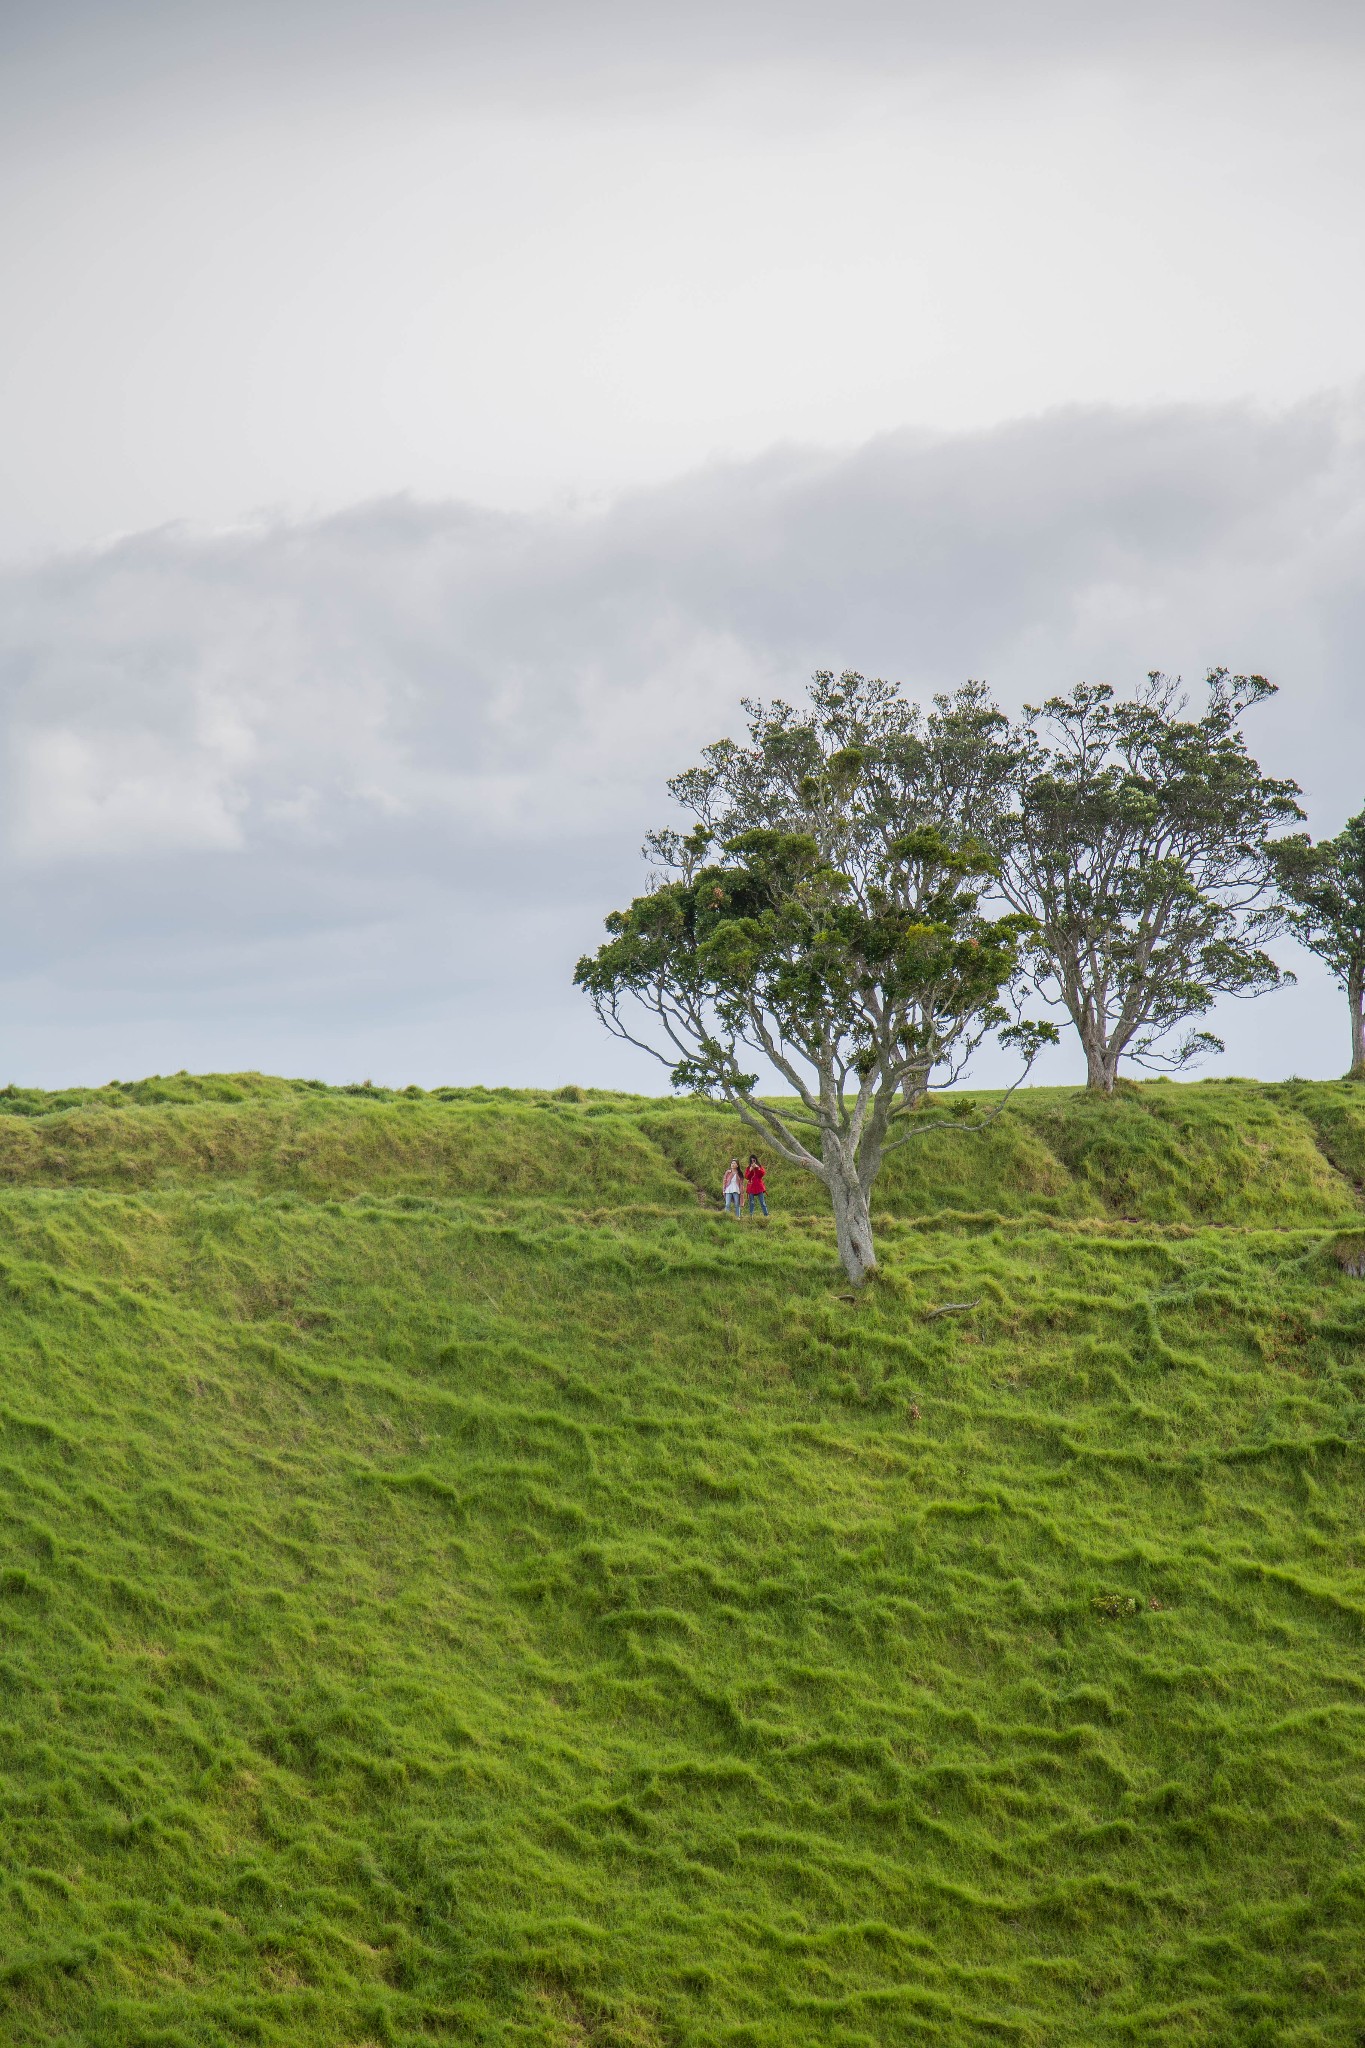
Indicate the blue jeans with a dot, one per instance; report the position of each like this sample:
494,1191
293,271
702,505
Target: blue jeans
732,1201
762,1201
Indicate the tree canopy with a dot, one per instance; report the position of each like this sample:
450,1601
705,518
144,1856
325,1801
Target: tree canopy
823,917
1322,902
1138,845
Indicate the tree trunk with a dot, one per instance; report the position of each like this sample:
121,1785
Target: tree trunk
852,1222
1101,1066
1355,991
915,1087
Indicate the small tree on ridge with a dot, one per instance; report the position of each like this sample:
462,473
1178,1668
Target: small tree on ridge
1322,902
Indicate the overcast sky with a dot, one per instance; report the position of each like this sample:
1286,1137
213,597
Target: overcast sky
422,424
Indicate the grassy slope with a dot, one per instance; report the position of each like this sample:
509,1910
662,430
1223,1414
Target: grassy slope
455,1586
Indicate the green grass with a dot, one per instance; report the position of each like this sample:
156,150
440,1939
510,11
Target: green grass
456,1586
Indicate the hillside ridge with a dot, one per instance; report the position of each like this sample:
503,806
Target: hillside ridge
1165,1151
457,1586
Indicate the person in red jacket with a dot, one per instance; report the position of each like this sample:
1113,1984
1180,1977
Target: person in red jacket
755,1187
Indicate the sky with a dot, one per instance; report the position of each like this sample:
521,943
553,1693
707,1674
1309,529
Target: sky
424,423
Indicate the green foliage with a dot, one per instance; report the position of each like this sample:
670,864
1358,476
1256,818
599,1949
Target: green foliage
1323,887
1322,901
823,920
552,1619
1138,847
769,948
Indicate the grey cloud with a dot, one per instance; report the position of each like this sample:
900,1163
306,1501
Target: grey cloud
350,795
474,47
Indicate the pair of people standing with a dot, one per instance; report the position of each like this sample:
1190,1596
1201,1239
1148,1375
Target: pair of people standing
741,1181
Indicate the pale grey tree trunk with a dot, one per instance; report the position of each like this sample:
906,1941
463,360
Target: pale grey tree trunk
852,1219
1102,1054
1355,991
914,1088
1101,1064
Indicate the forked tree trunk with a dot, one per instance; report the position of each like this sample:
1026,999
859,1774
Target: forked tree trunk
1102,1053
852,1220
1355,992
1101,1065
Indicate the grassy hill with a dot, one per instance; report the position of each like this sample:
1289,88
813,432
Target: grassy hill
455,1586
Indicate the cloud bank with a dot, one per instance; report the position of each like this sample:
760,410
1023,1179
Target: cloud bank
302,255
614,42
349,796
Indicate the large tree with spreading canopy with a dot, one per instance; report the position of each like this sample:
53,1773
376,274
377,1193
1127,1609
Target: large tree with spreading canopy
1138,845
822,919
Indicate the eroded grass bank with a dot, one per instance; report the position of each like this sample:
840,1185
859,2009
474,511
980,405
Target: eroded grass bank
485,1615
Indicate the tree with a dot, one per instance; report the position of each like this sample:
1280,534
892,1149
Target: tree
950,768
1138,845
1322,902
823,916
